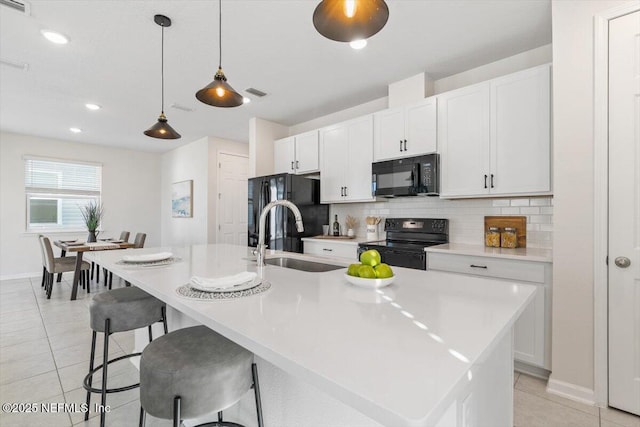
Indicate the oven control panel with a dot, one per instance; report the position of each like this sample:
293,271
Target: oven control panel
417,225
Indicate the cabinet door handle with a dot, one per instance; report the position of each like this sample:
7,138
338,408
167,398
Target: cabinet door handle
405,145
401,146
485,181
478,266
345,191
297,164
327,249
491,180
342,191
292,168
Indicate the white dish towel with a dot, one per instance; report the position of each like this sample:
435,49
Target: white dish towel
225,282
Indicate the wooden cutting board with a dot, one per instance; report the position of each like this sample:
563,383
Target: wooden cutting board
517,222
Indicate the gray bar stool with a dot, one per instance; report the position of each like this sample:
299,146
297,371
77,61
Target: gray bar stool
119,310
200,372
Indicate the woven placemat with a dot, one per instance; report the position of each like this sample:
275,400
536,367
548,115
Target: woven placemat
186,291
167,261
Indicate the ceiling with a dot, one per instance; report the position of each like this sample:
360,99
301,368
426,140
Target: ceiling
113,59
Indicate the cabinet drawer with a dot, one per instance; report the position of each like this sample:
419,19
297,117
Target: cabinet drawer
485,266
328,249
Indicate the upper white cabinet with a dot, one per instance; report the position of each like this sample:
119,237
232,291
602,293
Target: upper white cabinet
494,137
346,154
296,154
406,131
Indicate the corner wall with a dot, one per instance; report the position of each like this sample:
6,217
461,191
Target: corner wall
573,282
130,194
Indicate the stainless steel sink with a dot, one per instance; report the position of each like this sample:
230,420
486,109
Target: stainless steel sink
302,265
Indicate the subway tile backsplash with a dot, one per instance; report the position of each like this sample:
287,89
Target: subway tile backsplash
466,217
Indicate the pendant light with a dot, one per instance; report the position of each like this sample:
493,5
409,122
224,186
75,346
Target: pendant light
350,20
162,129
219,93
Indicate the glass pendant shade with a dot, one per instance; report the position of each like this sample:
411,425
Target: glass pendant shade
349,20
162,129
219,93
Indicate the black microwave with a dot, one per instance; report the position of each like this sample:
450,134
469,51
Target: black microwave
413,176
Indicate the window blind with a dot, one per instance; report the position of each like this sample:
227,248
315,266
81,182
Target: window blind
57,190
59,177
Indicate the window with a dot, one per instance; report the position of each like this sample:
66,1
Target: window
56,190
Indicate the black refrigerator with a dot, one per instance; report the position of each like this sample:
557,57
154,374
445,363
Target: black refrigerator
280,230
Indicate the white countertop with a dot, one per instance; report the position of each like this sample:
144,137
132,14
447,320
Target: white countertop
524,254
396,354
353,242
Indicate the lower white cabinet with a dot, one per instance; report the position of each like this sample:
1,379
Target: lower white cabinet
331,249
532,332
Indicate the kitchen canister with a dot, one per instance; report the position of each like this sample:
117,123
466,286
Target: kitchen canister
509,238
492,237
372,232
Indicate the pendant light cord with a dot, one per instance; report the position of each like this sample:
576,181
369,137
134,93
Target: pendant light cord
220,32
162,67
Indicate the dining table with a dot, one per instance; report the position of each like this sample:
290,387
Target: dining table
80,248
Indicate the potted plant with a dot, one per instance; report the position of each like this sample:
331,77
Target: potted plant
92,214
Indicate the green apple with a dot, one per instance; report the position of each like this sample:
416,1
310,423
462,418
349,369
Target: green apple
370,257
383,271
367,272
353,270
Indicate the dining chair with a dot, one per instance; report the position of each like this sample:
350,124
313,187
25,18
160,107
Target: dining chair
124,236
137,244
53,265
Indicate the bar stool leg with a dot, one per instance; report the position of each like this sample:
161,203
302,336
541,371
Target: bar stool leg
142,417
164,320
256,390
110,279
105,358
93,355
88,280
104,270
176,412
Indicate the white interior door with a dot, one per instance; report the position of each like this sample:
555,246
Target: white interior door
233,173
624,213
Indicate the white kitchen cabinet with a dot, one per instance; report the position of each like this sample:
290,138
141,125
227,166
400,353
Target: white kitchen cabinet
346,153
532,331
331,248
494,137
406,131
296,154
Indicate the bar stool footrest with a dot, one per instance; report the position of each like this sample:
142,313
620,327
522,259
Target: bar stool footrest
220,424
85,382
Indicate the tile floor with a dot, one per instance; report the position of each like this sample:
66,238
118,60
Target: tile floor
44,355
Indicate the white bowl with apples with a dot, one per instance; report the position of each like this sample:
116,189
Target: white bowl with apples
371,272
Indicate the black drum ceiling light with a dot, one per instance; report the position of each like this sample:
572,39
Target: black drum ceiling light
219,93
350,20
162,129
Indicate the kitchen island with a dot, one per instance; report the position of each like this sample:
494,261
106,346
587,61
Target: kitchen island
432,349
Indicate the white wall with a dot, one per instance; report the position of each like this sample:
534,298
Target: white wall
188,162
262,133
521,61
340,116
573,304
130,194
216,146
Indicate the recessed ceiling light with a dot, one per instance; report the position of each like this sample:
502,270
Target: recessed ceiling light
55,37
358,44
92,107
75,130
246,100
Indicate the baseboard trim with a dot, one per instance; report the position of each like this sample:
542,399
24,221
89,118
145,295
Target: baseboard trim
533,371
571,391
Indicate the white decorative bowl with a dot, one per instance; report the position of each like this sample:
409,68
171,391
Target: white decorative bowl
369,283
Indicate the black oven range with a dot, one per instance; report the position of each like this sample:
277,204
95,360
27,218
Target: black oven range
406,240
